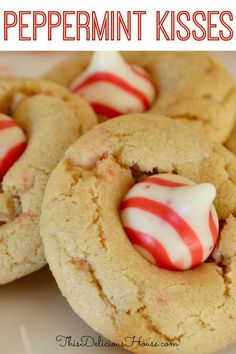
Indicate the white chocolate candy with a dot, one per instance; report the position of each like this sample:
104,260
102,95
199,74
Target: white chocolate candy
12,143
114,87
171,221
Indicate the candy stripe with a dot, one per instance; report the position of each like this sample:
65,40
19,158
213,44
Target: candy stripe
11,156
150,224
152,245
115,80
213,228
168,215
163,182
105,110
7,124
140,73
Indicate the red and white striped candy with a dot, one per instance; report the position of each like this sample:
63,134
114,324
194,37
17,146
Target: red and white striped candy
171,221
113,87
12,143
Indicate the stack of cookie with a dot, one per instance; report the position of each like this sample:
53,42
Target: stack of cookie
126,217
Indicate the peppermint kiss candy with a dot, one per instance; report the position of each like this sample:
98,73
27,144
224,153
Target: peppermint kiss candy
171,221
113,87
12,143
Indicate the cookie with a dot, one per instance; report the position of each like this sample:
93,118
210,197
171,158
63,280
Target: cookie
190,86
231,141
106,281
52,119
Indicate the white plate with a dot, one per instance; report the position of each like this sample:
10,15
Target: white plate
32,311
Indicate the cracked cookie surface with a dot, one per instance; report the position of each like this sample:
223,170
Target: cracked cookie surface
231,141
106,281
191,86
52,119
